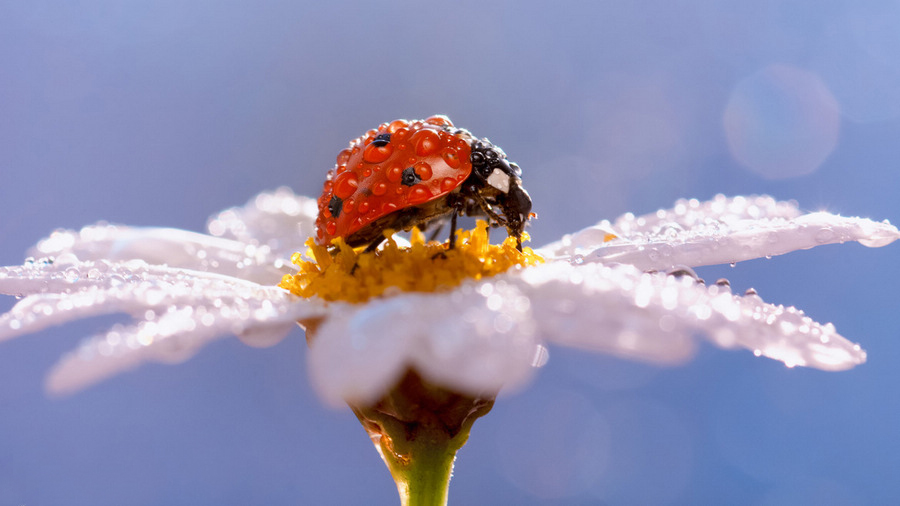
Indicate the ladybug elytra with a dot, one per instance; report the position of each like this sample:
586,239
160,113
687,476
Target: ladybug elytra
417,173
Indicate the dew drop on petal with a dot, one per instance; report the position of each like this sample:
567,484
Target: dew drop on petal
825,235
541,356
72,274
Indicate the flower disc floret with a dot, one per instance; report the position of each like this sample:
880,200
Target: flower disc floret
354,275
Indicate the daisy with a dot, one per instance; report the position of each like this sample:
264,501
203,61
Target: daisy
422,350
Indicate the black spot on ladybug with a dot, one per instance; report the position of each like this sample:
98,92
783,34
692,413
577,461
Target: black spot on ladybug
335,205
381,140
409,177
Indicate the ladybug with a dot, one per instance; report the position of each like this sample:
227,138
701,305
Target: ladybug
417,173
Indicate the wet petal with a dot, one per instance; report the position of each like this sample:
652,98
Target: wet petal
716,232
172,337
177,311
653,317
164,246
474,340
280,220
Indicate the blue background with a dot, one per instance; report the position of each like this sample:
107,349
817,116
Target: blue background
161,113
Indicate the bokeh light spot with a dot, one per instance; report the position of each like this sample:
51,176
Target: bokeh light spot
782,122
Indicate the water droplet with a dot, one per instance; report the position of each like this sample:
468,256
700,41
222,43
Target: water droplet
448,184
541,356
750,291
395,126
377,154
680,271
578,259
723,282
72,274
395,173
343,157
419,194
345,185
427,142
451,157
423,170
66,259
379,189
825,235
733,264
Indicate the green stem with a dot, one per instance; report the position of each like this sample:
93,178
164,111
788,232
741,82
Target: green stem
422,467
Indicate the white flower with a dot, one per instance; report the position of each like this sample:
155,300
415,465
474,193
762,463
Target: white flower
605,288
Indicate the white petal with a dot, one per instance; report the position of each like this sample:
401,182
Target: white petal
722,237
279,220
474,340
652,317
165,246
177,311
173,337
685,215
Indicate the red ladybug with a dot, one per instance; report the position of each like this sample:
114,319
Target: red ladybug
417,173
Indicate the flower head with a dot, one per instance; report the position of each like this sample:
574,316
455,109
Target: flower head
623,287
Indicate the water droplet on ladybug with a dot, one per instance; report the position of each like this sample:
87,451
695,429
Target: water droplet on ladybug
395,173
331,227
345,184
423,170
396,125
427,142
419,194
448,184
363,207
379,188
439,120
375,153
343,157
451,158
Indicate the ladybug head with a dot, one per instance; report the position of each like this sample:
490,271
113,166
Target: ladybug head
491,169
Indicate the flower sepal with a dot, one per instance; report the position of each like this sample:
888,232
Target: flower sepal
417,428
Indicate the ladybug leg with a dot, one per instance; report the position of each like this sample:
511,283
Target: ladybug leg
370,248
458,205
453,230
490,213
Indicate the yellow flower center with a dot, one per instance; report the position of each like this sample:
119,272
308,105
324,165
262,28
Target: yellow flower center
355,276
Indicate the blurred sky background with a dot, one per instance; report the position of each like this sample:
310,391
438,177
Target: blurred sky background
162,113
